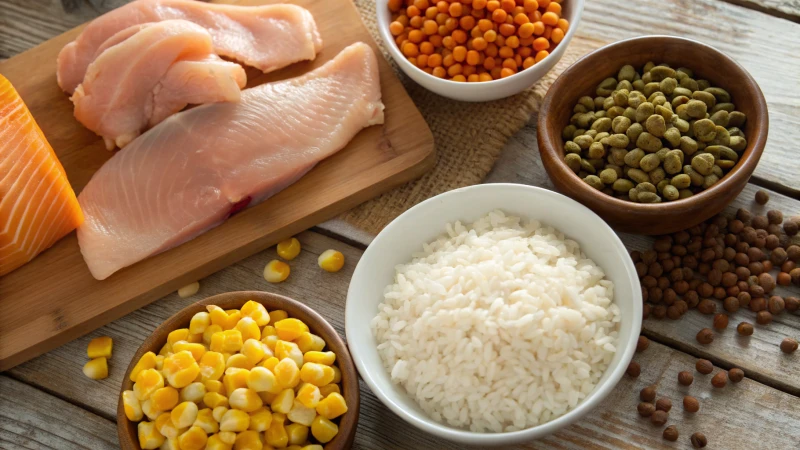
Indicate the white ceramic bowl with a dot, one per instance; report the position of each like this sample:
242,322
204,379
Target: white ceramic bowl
488,90
425,222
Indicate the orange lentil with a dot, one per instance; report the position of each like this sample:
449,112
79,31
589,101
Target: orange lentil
478,13
449,42
541,55
557,34
473,58
474,78
508,5
467,22
456,9
526,42
459,36
547,32
443,31
454,70
475,32
563,24
512,41
422,61
507,29
431,12
550,18
421,4
410,49
448,61
412,60
395,5
531,5
492,5
535,16
544,3
484,77
396,28
468,70
500,41
441,18
403,19
499,16
506,72
518,10
478,4
459,78
439,72
540,44
526,30
416,22
400,39
479,44
485,25
528,62
415,36
460,53
524,51
426,48
521,19
518,60
428,70
490,36
506,52
538,28
496,72
412,11
430,27
443,6
554,7
489,63
451,23
435,60
435,40
510,19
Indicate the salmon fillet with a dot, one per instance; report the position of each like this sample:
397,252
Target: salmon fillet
149,72
266,37
190,172
37,204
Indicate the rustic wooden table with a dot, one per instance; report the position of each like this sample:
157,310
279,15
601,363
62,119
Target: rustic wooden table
48,403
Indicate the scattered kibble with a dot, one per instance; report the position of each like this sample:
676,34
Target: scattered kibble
96,369
705,336
762,197
720,321
648,394
100,347
659,417
288,249
745,329
735,375
691,404
704,366
642,344
664,404
788,345
685,378
633,369
720,379
671,433
763,318
276,271
331,260
646,409
699,440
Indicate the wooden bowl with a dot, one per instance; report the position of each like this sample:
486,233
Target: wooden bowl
583,77
126,430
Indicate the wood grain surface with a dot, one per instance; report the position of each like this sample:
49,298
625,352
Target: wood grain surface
786,9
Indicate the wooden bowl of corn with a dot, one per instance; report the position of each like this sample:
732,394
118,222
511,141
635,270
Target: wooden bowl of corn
240,370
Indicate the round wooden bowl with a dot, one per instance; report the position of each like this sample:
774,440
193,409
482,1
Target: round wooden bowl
126,430
707,63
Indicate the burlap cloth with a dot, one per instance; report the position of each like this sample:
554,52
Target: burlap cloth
468,136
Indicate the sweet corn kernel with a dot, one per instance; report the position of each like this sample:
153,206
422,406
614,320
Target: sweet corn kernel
283,402
271,341
132,406
181,334
323,429
308,395
212,366
194,392
149,437
267,397
326,358
276,271
317,374
300,414
199,322
215,399
308,342
210,331
248,440
164,399
218,412
332,406
205,420
195,338
234,420
331,261
254,350
100,347
290,329
189,290
150,412
277,315
235,378
261,379
147,361
249,329
194,438
268,330
260,419
328,389
270,363
312,447
96,369
245,399
231,341
148,381
276,435
287,373
288,249
256,311
197,350
239,361
284,349
170,444
214,386
225,319
294,447
165,426
215,443
337,374
184,414
228,437
181,369
160,362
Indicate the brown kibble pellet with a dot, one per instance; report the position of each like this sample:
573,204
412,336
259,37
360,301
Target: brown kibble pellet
699,440
792,303
648,394
778,256
763,318
791,228
690,404
788,266
633,369
762,197
704,366
720,379
671,433
795,275
776,305
784,279
788,345
731,304
646,409
744,215
775,217
760,222
659,417
705,336
642,344
744,299
735,375
674,312
758,304
745,329
685,378
766,281
664,404
721,321
659,312
772,241
707,306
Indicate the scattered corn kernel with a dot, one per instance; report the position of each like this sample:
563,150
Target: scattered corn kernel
285,349
276,271
267,397
317,374
248,440
148,410
289,249
96,369
271,342
277,314
205,420
213,386
270,363
276,435
160,362
232,341
283,402
215,399
255,350
194,438
199,322
308,395
256,311
210,331
326,358
245,399
184,414
290,329
249,329
234,420
212,366
147,361
331,260
298,434
300,414
148,381
312,447
260,419
181,369
195,338
181,334
308,342
222,318
170,444
166,350
261,379
219,412
332,406
235,378
100,347
197,350
132,406
165,398
194,392
323,429
149,437
228,437
165,426
239,361
337,375
215,443
329,389
189,290
287,373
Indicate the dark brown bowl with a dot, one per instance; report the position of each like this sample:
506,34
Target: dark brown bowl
583,77
126,430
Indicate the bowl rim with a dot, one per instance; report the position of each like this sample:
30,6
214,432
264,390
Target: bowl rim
468,437
555,156
348,423
406,66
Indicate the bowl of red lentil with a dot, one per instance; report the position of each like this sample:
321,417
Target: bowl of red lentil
477,50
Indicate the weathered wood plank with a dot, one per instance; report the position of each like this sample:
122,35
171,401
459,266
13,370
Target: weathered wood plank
786,9
32,419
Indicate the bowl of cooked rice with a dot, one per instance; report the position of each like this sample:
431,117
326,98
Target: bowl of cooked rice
494,314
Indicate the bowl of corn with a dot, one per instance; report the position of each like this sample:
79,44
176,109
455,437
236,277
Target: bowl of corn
240,370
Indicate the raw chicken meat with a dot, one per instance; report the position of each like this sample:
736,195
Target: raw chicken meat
190,172
266,37
150,72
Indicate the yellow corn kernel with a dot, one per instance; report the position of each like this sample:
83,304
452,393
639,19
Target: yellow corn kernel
276,435
165,426
294,447
248,440
239,361
215,443
218,412
235,378
270,363
290,329
148,381
96,369
308,395
329,389
323,429
248,328
317,374
277,315
312,447
260,419
199,322
100,347
196,338
132,406
181,334
276,271
337,374
254,350
184,414
228,437
147,361
210,331
194,392
214,399
255,311
268,330
287,373
197,350
298,434
189,290
332,406
218,316
165,398
331,260
205,420
213,386
267,397
234,316
300,414
261,379
170,444
231,341
181,369
271,341
150,412
308,342
288,249
234,420
193,439
245,399
212,366
284,349
327,358
160,362
283,402
149,437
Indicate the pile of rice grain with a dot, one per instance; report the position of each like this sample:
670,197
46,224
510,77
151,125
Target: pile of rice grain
498,326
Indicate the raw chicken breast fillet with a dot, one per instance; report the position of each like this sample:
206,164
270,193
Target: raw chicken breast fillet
191,171
266,37
149,72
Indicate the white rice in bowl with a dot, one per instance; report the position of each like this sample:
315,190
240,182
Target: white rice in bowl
498,326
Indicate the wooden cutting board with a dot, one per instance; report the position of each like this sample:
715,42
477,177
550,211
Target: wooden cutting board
54,299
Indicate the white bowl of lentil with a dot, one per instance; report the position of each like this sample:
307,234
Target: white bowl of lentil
509,84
